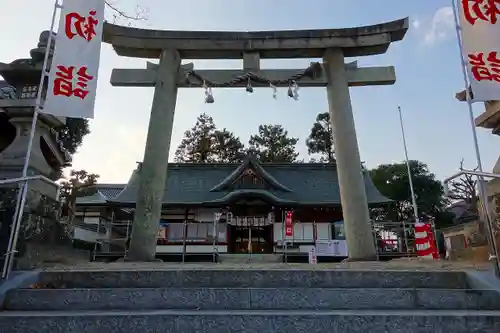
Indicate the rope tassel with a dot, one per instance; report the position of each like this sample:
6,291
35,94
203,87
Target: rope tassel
249,87
293,90
209,98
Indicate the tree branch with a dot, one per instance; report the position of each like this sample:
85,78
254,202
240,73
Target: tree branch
140,14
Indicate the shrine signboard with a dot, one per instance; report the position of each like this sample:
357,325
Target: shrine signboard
331,248
480,22
289,224
73,75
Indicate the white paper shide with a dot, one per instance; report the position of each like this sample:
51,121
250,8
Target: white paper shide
480,22
73,73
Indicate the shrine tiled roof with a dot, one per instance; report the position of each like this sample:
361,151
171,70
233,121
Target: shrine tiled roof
290,183
104,193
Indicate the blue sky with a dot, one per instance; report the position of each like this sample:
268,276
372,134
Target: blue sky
427,66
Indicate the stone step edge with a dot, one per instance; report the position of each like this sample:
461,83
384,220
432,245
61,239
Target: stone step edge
143,289
290,268
266,313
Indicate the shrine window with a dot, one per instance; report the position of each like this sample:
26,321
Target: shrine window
338,231
196,232
29,92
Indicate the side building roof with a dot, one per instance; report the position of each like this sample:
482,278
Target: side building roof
215,184
104,193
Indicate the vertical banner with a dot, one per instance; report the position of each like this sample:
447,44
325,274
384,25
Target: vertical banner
315,231
313,258
289,224
73,72
480,22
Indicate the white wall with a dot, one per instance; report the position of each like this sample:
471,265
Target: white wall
206,215
190,249
90,236
86,235
91,219
196,231
303,232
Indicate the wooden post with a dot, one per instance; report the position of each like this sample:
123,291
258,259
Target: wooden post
184,235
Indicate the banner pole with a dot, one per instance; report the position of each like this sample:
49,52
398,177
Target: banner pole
410,178
23,190
482,189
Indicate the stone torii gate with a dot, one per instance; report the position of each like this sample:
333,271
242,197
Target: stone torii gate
333,45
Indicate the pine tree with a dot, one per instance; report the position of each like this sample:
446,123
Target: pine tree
196,146
227,147
320,139
272,144
203,143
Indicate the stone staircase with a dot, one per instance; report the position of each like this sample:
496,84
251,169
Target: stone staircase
244,258
251,300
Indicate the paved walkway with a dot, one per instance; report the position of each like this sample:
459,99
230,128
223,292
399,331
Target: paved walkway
400,264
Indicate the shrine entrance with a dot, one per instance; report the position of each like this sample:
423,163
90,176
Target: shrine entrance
251,239
332,45
250,230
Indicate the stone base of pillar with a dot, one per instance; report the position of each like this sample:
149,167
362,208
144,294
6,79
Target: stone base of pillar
360,260
127,259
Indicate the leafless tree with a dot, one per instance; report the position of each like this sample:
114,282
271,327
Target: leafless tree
140,13
465,188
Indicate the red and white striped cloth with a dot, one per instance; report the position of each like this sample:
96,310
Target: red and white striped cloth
425,241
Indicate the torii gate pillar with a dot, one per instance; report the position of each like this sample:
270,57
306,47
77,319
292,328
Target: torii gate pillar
357,224
155,163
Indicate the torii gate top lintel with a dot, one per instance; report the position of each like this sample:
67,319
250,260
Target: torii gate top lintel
358,41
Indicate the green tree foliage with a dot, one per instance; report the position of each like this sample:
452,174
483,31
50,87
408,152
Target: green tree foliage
320,139
72,133
79,184
203,143
227,147
393,182
273,144
196,146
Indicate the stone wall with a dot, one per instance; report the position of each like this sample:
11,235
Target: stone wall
476,254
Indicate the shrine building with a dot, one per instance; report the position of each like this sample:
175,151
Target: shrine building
252,198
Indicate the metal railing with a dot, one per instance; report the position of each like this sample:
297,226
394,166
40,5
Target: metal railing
395,239
23,185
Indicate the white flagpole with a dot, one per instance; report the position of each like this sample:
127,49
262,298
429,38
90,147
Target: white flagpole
412,190
482,189
23,191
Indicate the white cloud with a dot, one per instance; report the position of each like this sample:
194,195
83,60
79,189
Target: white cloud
441,27
416,23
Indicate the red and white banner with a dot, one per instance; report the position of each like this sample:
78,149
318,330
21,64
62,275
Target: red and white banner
73,72
480,22
425,242
289,224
